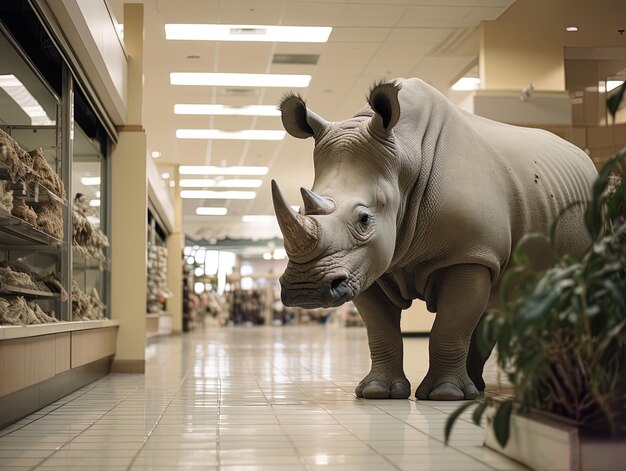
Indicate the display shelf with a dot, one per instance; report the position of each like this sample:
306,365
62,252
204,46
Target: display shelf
8,332
27,293
43,195
14,231
33,192
81,259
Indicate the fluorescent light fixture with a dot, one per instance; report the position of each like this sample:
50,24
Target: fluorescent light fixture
613,84
213,32
156,154
245,135
267,256
466,84
98,194
239,80
258,218
94,203
228,183
94,220
29,104
225,110
209,170
571,29
211,211
218,195
90,181
605,86
165,175
279,254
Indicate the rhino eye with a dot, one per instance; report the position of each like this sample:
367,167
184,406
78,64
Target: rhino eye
365,220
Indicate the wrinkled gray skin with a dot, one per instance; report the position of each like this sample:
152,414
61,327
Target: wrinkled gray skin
414,198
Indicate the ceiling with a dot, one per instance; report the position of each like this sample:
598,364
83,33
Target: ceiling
370,40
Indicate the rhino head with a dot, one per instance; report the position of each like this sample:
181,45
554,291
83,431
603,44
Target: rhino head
343,237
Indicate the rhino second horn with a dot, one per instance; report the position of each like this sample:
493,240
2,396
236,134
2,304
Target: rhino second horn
315,204
301,233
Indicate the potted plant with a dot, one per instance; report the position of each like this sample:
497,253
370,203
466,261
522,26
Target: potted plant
561,337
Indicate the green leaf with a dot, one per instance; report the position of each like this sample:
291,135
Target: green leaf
618,296
613,102
539,305
478,413
502,422
453,417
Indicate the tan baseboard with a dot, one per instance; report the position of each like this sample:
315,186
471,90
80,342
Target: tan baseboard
128,366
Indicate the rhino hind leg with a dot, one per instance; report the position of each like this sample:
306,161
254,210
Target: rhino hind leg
462,293
386,379
477,356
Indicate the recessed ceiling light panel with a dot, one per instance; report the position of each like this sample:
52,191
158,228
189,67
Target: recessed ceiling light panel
90,181
211,170
211,211
225,110
219,183
466,84
219,195
23,98
246,135
239,80
265,33
258,218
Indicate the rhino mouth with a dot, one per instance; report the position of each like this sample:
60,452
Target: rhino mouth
333,293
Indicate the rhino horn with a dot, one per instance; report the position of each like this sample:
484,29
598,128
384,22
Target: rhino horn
315,204
301,233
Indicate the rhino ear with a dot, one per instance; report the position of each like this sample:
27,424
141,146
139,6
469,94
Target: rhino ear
384,101
298,120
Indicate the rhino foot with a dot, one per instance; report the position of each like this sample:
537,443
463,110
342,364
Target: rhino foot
448,388
371,388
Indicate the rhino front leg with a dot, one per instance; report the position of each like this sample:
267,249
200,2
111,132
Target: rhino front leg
462,294
386,378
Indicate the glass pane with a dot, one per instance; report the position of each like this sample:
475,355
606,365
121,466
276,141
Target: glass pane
32,195
89,242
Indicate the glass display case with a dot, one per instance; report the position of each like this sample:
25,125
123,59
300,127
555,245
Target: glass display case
90,245
33,201
159,320
54,251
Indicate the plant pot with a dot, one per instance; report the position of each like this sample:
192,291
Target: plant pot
543,442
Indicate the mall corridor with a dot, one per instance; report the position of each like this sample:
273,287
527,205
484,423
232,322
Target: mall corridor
248,398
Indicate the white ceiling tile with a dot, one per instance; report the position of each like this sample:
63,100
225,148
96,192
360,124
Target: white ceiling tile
418,35
371,40
257,58
397,53
371,15
433,16
349,34
478,14
250,12
311,13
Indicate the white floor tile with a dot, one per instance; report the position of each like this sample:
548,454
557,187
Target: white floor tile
248,399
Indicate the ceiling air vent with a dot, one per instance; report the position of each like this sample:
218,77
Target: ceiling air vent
298,59
239,92
247,31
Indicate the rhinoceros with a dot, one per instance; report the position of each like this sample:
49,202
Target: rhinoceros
414,198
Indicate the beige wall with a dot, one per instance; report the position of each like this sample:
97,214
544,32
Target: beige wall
129,201
129,232
525,45
417,319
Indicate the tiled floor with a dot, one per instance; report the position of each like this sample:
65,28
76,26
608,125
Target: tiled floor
253,399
